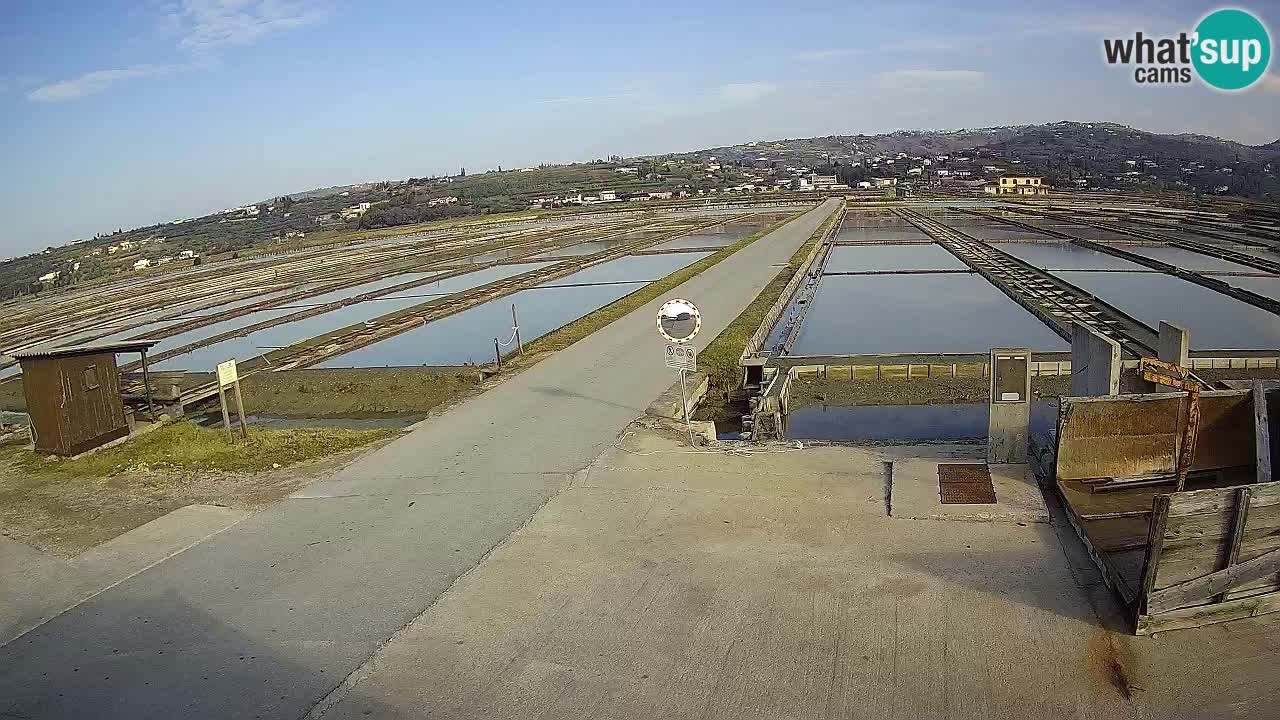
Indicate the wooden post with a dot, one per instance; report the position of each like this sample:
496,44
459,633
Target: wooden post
497,352
1187,449
1238,519
226,417
1155,544
1262,431
244,424
146,384
515,323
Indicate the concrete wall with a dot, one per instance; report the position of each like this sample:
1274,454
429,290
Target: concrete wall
1010,419
1095,363
1175,344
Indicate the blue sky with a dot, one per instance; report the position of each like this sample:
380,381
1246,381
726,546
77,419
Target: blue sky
118,114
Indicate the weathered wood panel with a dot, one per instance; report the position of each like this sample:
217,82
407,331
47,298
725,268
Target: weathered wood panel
1114,534
1187,563
1138,435
1216,500
1261,431
1207,533
1198,590
1201,615
42,386
1226,431
74,401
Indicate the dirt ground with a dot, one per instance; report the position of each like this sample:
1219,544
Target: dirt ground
68,515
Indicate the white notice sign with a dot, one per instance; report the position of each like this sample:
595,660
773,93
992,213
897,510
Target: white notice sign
681,357
227,373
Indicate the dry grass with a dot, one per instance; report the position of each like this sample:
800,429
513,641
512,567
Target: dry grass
68,506
357,393
186,446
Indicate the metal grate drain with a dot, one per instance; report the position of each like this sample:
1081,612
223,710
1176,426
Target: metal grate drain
965,484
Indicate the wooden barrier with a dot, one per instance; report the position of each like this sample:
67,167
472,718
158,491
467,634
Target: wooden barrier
1176,559
1135,436
1213,555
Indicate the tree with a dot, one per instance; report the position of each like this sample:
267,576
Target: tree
850,175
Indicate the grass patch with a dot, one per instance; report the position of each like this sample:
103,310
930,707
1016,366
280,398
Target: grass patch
588,324
720,358
186,446
356,393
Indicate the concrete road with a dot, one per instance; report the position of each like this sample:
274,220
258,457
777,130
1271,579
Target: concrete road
669,584
267,618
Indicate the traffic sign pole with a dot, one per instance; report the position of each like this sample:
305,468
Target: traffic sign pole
679,321
684,406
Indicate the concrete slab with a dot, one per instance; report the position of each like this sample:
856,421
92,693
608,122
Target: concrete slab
161,538
760,584
36,586
915,495
269,618
669,405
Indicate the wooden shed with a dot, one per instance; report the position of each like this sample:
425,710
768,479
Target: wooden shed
73,394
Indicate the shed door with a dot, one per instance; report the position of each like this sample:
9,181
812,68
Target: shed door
94,393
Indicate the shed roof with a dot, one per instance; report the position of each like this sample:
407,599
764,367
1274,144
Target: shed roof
45,351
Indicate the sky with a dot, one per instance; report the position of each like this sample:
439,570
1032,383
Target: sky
120,114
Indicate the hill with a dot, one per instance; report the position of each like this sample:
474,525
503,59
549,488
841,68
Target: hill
1102,140
1068,154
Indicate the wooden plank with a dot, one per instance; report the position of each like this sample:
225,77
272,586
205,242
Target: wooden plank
1261,432
1129,502
1137,435
1126,565
1226,424
1180,564
1194,617
1112,579
1273,411
1254,587
1217,500
1115,534
1238,519
1198,531
1155,544
1199,589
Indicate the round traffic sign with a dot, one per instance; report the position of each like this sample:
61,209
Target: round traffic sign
679,320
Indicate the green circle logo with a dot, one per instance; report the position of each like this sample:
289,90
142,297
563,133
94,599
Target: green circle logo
1232,49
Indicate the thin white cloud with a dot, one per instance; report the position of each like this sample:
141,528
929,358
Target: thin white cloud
831,54
586,99
746,93
1270,83
930,79
921,44
1098,24
216,23
202,27
98,81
